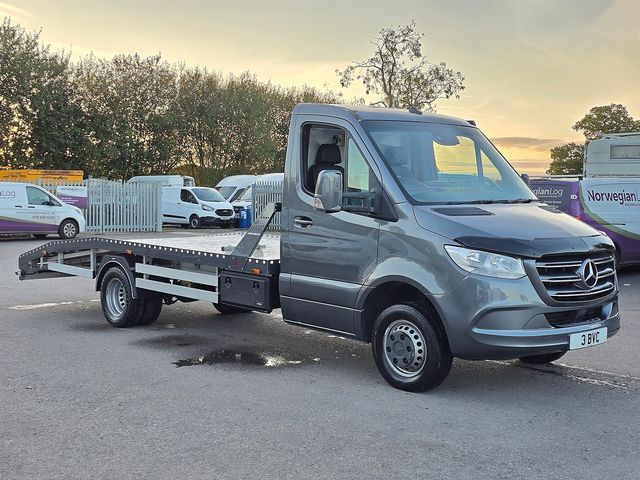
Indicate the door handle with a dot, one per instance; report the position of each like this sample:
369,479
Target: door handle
17,206
303,222
31,206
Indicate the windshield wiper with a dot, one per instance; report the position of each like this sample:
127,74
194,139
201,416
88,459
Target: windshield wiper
471,202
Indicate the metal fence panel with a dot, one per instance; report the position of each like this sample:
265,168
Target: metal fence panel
264,192
115,207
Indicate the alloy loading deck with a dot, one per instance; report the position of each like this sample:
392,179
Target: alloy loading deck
251,252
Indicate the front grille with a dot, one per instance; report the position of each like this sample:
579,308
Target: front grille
572,317
561,277
224,212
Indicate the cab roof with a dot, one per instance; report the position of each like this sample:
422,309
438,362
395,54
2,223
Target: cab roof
359,112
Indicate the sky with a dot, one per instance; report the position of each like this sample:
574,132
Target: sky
532,67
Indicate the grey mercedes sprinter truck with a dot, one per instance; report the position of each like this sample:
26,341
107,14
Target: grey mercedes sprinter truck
406,230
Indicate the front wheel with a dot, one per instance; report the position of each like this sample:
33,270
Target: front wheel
410,347
68,229
194,222
541,359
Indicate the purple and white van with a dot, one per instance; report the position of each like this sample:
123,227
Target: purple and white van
27,208
609,204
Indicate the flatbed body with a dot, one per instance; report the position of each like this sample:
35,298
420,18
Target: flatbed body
185,267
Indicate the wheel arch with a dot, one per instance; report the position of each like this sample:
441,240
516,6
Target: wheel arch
387,291
116,261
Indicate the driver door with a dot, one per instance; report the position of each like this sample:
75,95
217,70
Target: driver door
43,211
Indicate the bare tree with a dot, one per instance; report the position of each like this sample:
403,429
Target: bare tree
401,74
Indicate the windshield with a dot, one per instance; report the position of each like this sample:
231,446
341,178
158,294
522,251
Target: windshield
207,194
446,164
226,191
247,195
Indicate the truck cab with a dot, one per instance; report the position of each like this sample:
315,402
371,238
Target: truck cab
395,220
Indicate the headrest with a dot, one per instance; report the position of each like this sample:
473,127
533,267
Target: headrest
328,154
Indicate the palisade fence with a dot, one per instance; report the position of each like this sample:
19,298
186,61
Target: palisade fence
114,206
266,192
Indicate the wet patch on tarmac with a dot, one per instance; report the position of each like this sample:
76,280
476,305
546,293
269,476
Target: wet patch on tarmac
239,357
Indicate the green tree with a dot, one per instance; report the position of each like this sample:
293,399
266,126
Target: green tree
131,121
612,118
40,126
400,74
566,159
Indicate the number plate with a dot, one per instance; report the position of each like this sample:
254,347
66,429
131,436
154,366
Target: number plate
587,339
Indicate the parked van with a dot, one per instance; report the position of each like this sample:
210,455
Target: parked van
232,187
166,180
245,199
195,207
609,204
27,208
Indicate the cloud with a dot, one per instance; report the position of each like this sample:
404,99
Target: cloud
7,10
528,143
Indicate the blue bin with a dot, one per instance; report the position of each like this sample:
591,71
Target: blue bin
246,216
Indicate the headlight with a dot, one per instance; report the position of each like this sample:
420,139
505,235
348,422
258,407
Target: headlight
207,208
485,263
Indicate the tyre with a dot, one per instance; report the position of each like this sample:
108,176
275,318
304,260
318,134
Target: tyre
540,359
229,310
226,225
152,309
68,229
194,222
39,236
410,347
118,305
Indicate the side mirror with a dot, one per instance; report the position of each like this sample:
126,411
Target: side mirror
525,179
328,195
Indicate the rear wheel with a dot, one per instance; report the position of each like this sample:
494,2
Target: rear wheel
39,236
194,222
68,229
410,347
152,309
540,359
118,305
228,309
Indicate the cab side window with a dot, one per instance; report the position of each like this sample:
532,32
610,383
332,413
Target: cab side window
35,196
322,149
187,196
359,173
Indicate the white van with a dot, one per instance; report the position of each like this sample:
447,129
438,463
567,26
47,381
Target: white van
166,180
27,208
232,187
245,199
195,207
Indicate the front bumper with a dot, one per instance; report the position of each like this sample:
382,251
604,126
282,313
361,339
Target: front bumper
216,221
492,318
